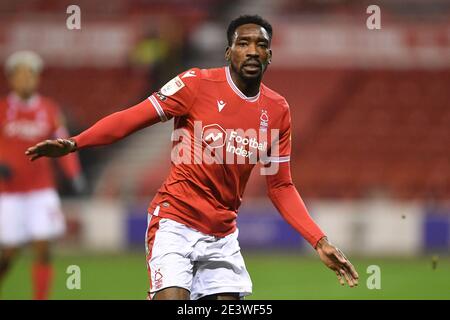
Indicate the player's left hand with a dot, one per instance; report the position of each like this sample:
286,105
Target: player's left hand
335,259
51,148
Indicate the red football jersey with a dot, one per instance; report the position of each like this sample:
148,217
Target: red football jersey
219,137
23,124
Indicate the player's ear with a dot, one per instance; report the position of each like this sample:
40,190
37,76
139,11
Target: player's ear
269,60
228,54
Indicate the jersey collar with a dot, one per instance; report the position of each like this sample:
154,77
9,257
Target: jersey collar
236,89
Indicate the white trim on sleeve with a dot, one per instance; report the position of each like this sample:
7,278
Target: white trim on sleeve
280,159
158,108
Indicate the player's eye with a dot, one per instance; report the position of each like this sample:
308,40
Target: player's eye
262,45
242,43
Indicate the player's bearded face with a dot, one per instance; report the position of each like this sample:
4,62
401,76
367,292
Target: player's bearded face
249,54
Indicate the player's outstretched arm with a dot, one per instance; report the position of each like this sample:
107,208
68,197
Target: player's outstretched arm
106,131
287,200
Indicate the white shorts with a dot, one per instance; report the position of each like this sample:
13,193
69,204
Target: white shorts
179,256
30,216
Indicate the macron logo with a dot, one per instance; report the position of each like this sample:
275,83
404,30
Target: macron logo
188,74
214,137
220,105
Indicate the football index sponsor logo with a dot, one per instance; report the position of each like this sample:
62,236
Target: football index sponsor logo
239,142
214,136
212,144
246,146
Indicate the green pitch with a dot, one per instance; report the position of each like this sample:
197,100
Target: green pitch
277,276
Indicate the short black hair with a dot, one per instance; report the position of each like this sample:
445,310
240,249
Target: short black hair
245,19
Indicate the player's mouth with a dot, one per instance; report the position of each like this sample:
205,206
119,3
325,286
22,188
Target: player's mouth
252,67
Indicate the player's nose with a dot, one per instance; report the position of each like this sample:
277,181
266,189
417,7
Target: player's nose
252,51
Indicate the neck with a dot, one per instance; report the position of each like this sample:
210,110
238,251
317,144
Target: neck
23,100
24,96
248,87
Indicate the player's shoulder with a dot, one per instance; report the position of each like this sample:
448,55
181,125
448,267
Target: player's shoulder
274,97
212,74
192,73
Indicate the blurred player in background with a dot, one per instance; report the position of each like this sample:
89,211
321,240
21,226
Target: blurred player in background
29,204
191,240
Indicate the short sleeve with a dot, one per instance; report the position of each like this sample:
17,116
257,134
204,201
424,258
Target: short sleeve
177,96
281,144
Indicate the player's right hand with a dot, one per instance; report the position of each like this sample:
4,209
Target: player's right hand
51,148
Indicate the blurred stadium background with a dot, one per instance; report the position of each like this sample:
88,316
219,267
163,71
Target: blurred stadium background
371,133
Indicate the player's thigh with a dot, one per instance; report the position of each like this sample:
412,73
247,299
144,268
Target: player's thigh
168,256
12,220
223,296
45,219
172,293
222,271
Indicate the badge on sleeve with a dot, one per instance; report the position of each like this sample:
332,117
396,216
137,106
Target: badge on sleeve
172,86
